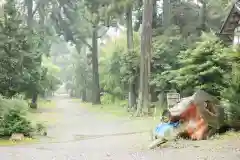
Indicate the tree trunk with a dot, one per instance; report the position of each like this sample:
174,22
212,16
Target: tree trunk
84,95
95,85
166,13
203,16
34,100
138,17
83,50
146,44
132,96
155,16
30,13
30,27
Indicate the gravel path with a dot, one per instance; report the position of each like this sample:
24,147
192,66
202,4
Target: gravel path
80,136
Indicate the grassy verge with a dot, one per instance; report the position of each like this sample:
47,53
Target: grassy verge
115,111
227,136
46,104
46,118
43,115
7,142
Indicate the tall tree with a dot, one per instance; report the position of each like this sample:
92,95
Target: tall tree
166,13
203,17
66,24
95,8
99,15
30,23
132,95
20,47
146,44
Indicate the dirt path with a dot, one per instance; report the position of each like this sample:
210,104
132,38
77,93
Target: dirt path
82,135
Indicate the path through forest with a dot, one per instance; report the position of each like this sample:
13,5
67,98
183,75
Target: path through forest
84,135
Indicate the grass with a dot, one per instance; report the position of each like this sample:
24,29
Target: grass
7,142
226,136
44,114
111,111
115,111
46,118
46,104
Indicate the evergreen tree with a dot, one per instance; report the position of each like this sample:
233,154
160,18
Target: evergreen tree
20,62
202,67
232,94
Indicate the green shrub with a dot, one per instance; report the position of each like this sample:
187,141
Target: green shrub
107,99
13,117
232,95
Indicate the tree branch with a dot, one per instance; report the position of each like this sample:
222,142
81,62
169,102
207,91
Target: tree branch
83,40
103,33
36,8
88,20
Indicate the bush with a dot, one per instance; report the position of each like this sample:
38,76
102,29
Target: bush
202,67
13,117
107,99
232,96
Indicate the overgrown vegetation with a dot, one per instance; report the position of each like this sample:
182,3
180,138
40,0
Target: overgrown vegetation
25,69
186,55
13,117
45,41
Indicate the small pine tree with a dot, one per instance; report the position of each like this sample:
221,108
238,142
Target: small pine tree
232,95
203,67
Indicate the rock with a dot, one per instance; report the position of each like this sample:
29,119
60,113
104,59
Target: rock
17,137
44,133
33,105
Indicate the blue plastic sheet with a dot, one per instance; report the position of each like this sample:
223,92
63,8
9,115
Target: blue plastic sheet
162,128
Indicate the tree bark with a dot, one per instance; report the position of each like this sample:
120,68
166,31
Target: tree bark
203,17
34,100
146,44
84,95
85,76
30,27
95,72
155,12
166,13
132,96
30,13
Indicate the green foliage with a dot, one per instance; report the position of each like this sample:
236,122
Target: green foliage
21,52
130,66
76,73
108,98
166,49
13,117
13,47
202,67
49,82
118,67
231,94
130,61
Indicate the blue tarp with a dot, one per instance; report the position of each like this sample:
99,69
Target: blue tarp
162,128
